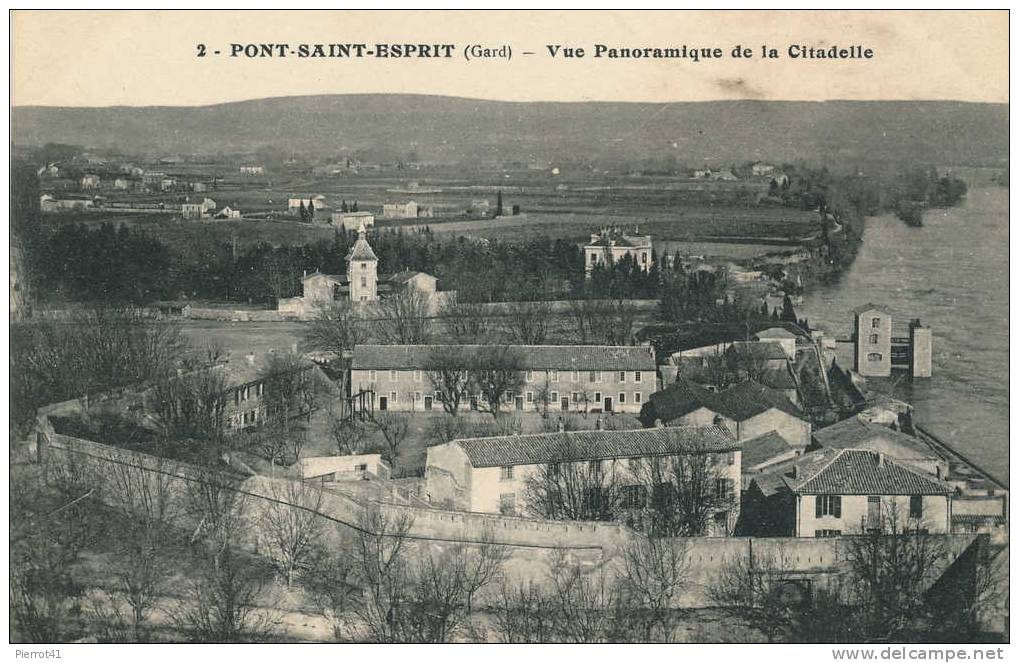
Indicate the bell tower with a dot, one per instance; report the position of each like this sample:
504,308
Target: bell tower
362,270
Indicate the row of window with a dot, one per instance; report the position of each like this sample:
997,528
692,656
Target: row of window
529,376
247,418
831,505
631,497
575,397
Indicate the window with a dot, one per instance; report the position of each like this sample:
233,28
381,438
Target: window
874,356
722,489
594,467
555,376
597,397
372,376
622,376
873,339
530,396
575,397
634,465
828,505
632,497
636,397
392,375
594,376
730,459
554,397
643,258
637,376
364,281
827,533
622,398
363,467
875,323
594,258
529,376
364,266
508,504
553,470
506,473
916,506
417,396
392,397
576,376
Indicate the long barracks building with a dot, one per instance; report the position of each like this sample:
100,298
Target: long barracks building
563,378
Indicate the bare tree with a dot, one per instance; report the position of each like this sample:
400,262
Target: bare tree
381,569
527,323
466,322
583,601
524,614
142,567
681,494
219,604
394,428
293,387
292,527
192,406
749,586
443,585
654,572
603,321
572,489
496,373
449,374
350,436
403,319
337,326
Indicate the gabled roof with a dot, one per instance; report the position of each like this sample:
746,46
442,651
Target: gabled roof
854,432
739,402
361,250
575,446
749,399
763,448
778,378
532,357
762,350
404,276
864,472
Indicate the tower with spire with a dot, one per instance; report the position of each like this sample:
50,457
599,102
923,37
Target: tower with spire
362,270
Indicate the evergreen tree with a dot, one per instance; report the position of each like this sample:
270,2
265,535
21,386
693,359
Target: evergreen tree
498,203
355,207
303,212
788,312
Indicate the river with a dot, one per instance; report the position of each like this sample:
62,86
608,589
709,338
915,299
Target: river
953,274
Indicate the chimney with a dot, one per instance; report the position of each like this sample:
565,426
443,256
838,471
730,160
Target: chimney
251,358
880,459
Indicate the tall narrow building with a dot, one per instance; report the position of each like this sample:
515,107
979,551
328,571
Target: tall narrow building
362,270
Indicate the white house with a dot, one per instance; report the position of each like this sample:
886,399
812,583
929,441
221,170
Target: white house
90,182
612,245
490,474
847,491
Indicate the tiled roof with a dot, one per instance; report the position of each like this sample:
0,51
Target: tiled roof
758,349
402,277
677,400
763,448
636,241
862,472
749,399
532,357
778,378
542,448
739,402
361,250
854,432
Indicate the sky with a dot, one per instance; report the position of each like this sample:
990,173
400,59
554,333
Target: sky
149,57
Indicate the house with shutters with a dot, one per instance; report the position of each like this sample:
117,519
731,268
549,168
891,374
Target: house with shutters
554,378
836,492
491,474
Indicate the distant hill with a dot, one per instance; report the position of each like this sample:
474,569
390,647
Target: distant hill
448,129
